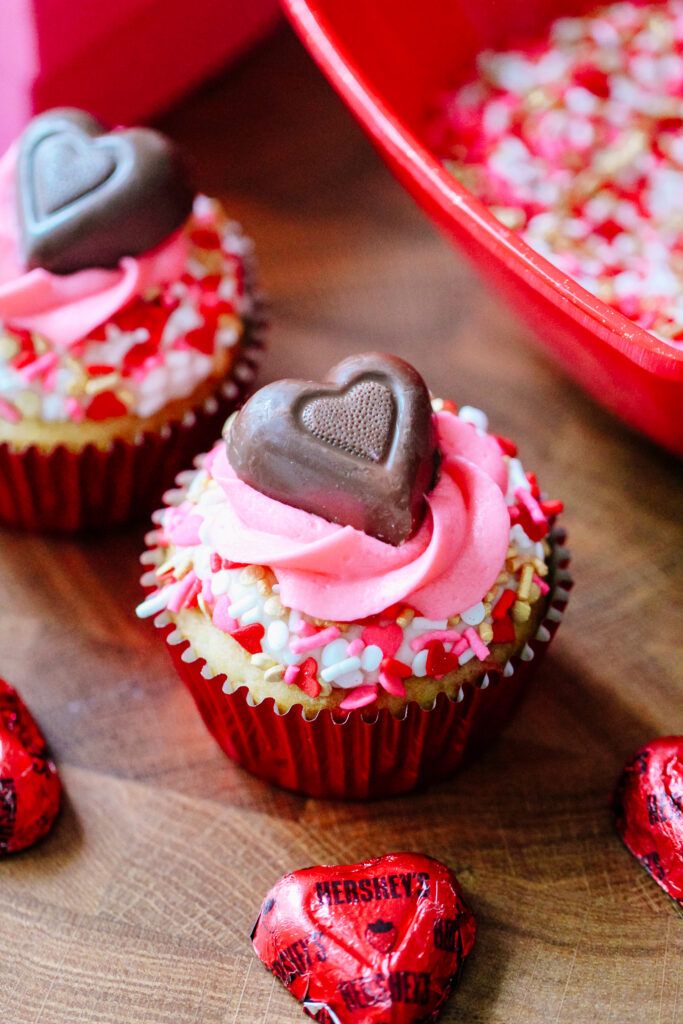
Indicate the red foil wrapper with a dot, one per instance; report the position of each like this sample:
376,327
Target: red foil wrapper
63,491
649,811
30,789
372,942
366,754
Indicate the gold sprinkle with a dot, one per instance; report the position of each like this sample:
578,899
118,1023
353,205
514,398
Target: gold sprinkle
107,382
521,612
8,346
274,674
263,587
540,567
454,620
274,607
202,604
405,618
486,632
534,593
251,574
525,581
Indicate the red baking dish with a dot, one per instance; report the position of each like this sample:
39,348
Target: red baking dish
388,59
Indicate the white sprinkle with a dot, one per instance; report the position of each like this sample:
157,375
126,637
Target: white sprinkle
240,606
425,625
334,652
420,664
153,604
475,416
334,671
466,656
474,615
277,636
371,658
251,616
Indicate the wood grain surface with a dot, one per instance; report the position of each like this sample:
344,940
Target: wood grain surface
138,908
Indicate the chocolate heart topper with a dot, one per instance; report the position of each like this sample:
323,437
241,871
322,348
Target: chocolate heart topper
366,943
359,449
29,784
648,809
87,197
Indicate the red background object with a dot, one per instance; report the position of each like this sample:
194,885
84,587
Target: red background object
388,58
383,939
649,811
122,61
29,784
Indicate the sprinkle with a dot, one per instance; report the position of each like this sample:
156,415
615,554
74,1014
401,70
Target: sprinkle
503,604
486,632
476,643
222,619
38,366
292,674
156,602
183,592
552,508
396,668
525,580
504,631
356,647
541,584
393,684
251,574
359,698
521,612
443,635
371,658
507,446
339,669
274,674
262,660
237,608
250,637
316,640
535,524
9,412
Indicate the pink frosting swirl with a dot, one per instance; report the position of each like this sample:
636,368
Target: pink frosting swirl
335,572
67,307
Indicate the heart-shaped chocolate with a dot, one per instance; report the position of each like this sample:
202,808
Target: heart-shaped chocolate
29,784
649,811
372,942
358,449
88,197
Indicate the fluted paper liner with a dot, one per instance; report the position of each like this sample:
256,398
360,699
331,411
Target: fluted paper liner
365,754
64,491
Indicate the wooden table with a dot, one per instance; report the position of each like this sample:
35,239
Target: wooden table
138,908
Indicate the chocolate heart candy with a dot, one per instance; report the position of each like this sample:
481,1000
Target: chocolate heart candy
649,811
372,942
29,785
358,449
87,197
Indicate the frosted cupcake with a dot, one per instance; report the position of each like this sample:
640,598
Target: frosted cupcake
357,582
129,326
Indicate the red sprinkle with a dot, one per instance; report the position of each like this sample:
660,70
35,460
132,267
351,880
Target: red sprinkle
503,605
504,631
551,508
307,680
105,406
507,446
396,668
250,637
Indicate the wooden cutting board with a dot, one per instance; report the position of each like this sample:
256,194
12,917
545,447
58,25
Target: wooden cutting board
138,908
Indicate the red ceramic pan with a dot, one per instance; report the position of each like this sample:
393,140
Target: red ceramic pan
388,58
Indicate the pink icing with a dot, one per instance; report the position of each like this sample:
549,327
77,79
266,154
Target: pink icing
66,308
338,573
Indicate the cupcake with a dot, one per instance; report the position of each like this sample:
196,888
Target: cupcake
129,327
357,581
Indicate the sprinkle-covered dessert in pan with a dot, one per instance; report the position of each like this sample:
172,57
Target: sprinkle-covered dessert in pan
356,551
129,326
575,139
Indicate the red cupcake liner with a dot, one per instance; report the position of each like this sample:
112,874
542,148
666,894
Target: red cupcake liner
364,754
63,491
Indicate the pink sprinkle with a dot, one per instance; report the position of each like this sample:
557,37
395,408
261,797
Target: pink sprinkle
359,697
183,592
9,412
38,366
445,635
526,498
476,643
355,647
311,643
541,584
304,628
292,674
215,562
207,592
392,684
221,617
73,408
